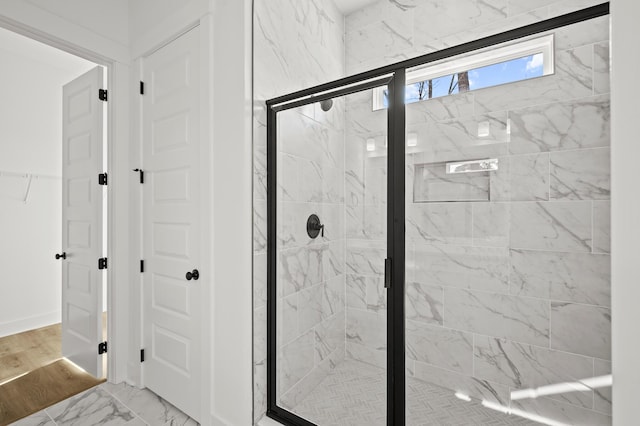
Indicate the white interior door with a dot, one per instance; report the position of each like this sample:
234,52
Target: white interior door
171,226
82,221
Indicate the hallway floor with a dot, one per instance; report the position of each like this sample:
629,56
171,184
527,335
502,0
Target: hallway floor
354,394
111,405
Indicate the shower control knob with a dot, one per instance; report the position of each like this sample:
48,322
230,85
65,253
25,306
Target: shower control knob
193,275
314,227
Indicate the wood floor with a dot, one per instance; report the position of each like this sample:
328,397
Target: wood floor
24,352
33,374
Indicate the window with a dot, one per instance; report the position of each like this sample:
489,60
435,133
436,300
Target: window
504,64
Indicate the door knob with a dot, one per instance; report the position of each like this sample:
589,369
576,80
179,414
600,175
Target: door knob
61,256
193,275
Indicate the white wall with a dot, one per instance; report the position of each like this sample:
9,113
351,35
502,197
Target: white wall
625,211
31,80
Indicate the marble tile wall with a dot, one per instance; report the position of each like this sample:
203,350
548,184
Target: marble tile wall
512,293
298,44
500,295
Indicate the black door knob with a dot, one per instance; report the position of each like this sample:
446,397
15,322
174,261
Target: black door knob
61,256
193,275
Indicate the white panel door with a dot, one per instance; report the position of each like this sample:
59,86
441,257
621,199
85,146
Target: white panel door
82,221
171,228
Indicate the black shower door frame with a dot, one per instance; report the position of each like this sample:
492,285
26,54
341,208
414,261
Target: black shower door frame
394,76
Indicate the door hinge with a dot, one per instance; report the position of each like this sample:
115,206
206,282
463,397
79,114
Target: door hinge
102,348
142,87
102,263
102,179
141,355
387,273
141,173
141,265
103,95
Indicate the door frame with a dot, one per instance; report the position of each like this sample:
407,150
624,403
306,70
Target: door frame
117,129
396,133
205,24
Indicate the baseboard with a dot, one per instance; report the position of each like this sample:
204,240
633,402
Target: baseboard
25,324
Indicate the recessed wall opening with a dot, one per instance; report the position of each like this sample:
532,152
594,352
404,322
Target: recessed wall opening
38,188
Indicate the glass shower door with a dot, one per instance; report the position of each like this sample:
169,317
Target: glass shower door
331,218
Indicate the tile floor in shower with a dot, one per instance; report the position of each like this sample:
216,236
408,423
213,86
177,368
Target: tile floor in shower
354,394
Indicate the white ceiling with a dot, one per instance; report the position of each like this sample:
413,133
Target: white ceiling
18,45
349,6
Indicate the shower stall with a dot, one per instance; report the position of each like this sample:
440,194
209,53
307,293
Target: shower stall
437,239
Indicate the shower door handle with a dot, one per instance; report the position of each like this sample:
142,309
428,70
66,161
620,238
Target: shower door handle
387,273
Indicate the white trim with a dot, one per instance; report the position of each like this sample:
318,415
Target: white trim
29,323
494,55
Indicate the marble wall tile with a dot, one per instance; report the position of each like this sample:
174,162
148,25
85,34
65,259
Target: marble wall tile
601,68
523,366
581,329
295,360
491,28
259,226
521,178
491,224
424,303
366,222
365,258
333,296
287,320
586,32
569,277
560,226
367,328
366,354
310,307
439,222
360,119
260,334
561,413
602,396
329,337
515,318
602,227
378,44
440,109
432,183
454,16
259,390
471,386
356,290
457,140
566,6
441,347
517,7
481,268
573,78
366,293
400,13
289,188
259,280
581,175
583,123
283,66
299,268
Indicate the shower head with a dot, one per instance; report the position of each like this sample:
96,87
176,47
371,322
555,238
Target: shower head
326,104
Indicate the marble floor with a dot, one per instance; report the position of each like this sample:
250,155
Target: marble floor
354,394
112,405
